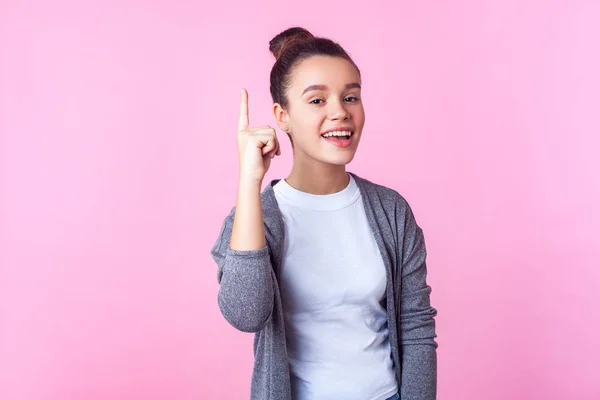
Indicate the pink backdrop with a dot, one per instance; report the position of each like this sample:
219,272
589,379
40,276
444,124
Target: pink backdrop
118,165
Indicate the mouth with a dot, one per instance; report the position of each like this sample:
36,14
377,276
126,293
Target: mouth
341,134
344,132
340,137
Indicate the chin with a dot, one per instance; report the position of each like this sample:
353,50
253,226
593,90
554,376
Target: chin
339,159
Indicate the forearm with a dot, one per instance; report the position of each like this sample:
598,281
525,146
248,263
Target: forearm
248,231
245,271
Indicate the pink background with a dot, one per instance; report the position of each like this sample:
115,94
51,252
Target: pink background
118,165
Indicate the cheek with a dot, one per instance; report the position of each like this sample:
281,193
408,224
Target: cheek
360,112
359,116
309,122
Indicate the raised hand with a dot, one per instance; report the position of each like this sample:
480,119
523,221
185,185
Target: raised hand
256,146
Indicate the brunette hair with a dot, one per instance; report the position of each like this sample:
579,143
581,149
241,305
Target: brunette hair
292,46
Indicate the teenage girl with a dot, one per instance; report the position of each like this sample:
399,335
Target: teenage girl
327,268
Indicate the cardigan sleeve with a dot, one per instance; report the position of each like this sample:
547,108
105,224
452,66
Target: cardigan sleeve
246,284
416,315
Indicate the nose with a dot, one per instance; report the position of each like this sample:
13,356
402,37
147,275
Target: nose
338,111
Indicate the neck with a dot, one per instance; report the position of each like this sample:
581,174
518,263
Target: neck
318,178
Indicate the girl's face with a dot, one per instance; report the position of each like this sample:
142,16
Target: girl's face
324,99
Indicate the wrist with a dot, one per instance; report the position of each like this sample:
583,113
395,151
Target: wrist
250,182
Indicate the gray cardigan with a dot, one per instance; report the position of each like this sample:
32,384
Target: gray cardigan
250,300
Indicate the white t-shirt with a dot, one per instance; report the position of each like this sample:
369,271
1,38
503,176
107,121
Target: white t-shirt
333,282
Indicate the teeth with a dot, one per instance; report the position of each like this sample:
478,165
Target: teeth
338,133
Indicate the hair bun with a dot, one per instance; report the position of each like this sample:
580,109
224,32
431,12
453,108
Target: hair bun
287,38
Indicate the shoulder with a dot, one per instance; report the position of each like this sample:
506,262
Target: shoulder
388,196
388,202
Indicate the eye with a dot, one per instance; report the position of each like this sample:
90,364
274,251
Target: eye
316,101
351,99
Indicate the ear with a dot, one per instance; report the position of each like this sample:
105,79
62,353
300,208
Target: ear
281,116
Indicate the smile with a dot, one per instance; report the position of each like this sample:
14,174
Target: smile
341,137
346,134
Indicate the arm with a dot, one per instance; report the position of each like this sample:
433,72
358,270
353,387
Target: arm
246,286
244,267
416,317
241,252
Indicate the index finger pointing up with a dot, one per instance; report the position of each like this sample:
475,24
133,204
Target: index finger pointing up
243,121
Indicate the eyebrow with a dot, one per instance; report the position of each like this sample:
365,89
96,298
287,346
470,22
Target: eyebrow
353,85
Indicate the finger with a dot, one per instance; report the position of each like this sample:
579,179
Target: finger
277,147
265,140
275,150
270,154
268,149
262,133
243,120
269,146
262,129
